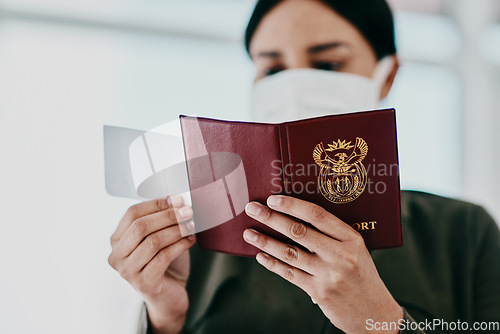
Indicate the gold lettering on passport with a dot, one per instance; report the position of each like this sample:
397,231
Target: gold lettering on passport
364,226
342,177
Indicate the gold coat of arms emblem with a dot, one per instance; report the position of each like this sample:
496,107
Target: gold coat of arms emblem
342,177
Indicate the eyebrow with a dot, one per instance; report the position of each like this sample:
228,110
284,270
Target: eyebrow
268,54
311,50
324,47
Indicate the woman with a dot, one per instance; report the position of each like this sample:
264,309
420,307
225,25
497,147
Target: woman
448,268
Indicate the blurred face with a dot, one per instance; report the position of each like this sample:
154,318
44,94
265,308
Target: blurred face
309,34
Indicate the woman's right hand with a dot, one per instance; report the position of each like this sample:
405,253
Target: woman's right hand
148,250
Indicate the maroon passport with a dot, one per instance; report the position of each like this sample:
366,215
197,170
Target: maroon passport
347,164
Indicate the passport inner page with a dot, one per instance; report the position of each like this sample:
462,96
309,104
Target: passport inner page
230,164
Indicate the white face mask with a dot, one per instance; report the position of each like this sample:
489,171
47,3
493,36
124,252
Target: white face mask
304,93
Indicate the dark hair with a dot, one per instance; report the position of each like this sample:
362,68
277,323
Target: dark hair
373,18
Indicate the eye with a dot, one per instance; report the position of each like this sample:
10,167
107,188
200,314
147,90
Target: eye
327,65
273,70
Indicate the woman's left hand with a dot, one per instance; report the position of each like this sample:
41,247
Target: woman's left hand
338,272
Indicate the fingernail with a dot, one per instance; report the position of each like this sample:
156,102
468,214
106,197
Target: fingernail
191,237
274,201
190,226
250,235
175,200
253,209
262,258
186,212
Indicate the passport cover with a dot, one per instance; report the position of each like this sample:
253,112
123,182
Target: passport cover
348,164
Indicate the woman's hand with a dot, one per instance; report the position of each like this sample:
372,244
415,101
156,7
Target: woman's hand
338,272
149,251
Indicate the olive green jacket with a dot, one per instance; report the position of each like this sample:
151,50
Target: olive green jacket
448,269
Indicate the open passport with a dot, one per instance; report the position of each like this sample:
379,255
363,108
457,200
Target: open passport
348,164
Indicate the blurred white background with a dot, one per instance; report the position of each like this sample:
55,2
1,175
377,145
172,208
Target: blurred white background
68,67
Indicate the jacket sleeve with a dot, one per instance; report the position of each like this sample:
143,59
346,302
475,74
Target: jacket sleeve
407,321
143,326
487,272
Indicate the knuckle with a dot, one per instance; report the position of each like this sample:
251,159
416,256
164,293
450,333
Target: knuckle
298,230
289,274
291,254
262,241
351,263
320,295
358,238
286,202
139,226
271,264
319,213
161,204
163,256
113,239
133,211
334,282
170,213
153,241
111,261
267,215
